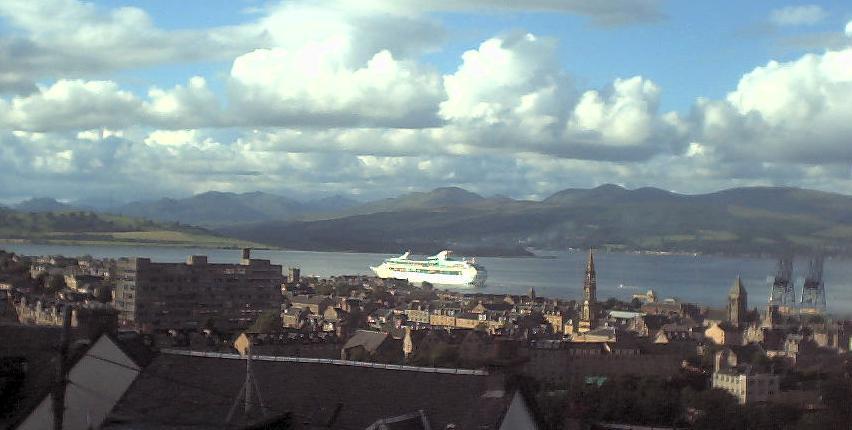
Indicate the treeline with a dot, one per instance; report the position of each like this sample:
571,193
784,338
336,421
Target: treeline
684,402
15,224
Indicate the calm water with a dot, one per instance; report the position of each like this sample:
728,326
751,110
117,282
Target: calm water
702,279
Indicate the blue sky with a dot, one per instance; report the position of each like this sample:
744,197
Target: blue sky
380,97
700,49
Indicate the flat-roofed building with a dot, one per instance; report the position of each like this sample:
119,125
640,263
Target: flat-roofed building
196,294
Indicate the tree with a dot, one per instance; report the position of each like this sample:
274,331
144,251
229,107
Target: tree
718,410
836,395
635,304
268,321
55,283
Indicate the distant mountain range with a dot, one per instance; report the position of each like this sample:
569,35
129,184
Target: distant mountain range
759,220
208,209
44,204
756,220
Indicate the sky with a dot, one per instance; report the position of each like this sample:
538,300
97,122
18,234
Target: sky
127,100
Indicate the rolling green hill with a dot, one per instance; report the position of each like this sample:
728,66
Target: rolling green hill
760,220
215,208
81,227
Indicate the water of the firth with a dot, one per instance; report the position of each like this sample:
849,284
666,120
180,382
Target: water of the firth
701,279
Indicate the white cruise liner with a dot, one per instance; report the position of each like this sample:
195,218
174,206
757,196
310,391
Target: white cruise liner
440,269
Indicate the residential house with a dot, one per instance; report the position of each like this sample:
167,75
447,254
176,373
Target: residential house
470,320
316,304
724,334
742,380
374,346
295,317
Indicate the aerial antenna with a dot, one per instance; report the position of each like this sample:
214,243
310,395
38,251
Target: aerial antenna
243,346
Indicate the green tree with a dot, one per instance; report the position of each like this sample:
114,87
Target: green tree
717,410
55,283
267,322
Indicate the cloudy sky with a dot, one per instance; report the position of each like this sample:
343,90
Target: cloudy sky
372,98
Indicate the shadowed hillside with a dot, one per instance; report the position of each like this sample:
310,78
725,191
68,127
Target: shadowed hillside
736,221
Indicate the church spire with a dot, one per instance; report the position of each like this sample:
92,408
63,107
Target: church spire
588,313
590,265
737,303
590,283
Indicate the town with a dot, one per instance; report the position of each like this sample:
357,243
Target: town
133,343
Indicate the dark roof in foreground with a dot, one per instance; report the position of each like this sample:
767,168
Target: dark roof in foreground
38,347
194,392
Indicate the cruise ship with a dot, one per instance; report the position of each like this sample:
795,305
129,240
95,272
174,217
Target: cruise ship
440,269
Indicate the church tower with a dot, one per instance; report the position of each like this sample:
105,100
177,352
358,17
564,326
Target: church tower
588,314
737,303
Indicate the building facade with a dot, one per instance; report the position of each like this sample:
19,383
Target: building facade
196,294
746,386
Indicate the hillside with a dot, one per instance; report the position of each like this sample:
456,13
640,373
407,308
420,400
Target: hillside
43,204
759,220
217,208
79,227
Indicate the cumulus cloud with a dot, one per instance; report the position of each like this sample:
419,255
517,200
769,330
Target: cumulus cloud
340,99
354,31
71,104
792,111
623,117
189,106
312,86
512,93
78,104
73,39
797,15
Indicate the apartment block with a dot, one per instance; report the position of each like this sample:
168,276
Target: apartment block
196,294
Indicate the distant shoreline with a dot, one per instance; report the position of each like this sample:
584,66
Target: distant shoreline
531,253
130,243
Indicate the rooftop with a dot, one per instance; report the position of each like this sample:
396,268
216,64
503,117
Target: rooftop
331,393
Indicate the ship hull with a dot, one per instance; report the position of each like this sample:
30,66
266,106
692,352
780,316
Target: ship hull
468,278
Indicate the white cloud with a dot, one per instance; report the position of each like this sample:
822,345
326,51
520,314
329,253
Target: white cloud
78,104
338,99
99,134
71,104
848,29
625,117
795,111
493,80
192,105
797,15
67,38
512,93
355,31
314,86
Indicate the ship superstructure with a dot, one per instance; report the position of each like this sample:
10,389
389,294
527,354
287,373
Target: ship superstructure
439,269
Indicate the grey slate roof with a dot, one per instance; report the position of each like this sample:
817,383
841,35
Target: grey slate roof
179,391
370,340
